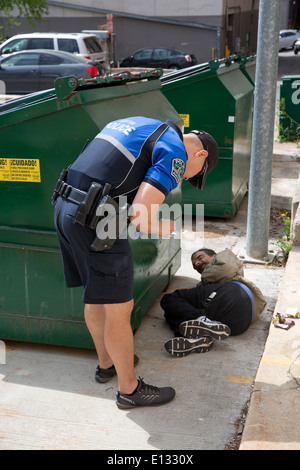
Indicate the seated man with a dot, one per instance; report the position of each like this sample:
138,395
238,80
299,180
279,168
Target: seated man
224,303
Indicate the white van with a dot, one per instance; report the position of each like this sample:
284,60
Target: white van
85,45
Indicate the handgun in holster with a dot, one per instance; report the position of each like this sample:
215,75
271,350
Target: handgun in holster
109,207
94,218
92,210
87,208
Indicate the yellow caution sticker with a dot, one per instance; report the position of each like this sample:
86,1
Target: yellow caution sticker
20,169
186,119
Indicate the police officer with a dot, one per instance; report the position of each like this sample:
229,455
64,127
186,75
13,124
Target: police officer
143,159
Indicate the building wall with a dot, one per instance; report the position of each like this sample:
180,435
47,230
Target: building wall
285,7
142,23
134,34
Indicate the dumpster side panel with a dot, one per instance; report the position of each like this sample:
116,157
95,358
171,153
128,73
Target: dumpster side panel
216,192
242,149
242,91
35,304
249,70
205,103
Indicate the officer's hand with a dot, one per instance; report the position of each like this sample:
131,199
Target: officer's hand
144,211
167,228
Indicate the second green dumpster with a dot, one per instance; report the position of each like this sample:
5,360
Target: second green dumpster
289,112
216,97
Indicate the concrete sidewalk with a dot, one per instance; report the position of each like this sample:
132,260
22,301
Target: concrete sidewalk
49,399
274,412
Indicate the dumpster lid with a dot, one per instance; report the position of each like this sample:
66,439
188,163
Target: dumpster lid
287,78
23,101
212,65
71,91
66,86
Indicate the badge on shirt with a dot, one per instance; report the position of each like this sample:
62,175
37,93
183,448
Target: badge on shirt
178,168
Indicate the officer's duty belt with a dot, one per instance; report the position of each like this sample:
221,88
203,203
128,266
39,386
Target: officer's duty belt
92,205
72,194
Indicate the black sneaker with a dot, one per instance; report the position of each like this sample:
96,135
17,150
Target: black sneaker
104,375
180,347
197,328
145,395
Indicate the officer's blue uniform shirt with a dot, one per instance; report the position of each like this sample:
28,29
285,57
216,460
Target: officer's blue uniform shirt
129,151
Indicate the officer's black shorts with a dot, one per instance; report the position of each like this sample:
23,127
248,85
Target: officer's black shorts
107,276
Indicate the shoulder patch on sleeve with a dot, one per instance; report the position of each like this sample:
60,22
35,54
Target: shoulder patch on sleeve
178,168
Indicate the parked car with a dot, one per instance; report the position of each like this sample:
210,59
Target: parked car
287,38
297,47
84,45
29,71
154,57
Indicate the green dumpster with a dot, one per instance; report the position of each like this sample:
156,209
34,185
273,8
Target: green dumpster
289,110
41,134
218,98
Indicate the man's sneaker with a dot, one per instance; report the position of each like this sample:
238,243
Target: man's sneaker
197,328
145,395
180,347
104,375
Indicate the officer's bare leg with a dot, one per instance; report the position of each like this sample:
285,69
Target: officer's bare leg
118,337
111,331
95,321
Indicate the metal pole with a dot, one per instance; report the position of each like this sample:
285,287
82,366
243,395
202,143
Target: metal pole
263,130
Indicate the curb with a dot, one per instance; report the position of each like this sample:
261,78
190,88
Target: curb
296,215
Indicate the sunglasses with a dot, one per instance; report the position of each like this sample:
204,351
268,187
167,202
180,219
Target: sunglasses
201,175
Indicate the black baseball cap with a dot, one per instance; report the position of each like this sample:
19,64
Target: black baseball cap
211,160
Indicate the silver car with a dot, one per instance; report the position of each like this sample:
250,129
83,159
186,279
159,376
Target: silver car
36,70
287,38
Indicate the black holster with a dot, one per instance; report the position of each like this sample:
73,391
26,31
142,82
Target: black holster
106,215
86,212
96,210
60,181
